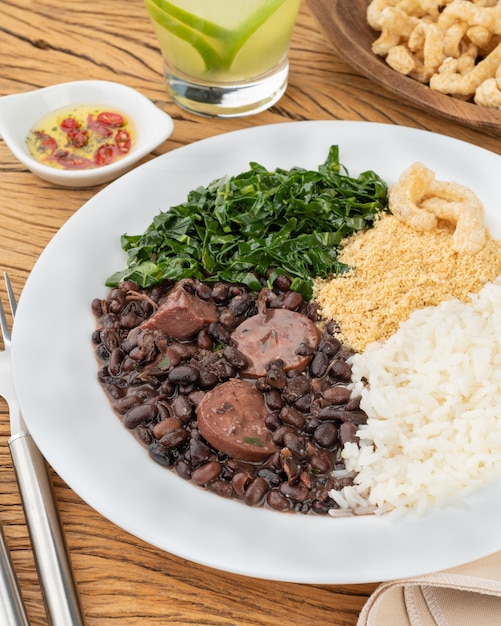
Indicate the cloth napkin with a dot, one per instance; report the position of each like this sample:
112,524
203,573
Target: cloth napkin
468,595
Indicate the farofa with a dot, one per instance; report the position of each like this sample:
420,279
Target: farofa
396,270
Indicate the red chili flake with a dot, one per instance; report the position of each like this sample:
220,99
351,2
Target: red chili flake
97,127
105,154
115,120
70,161
78,138
122,140
69,123
47,143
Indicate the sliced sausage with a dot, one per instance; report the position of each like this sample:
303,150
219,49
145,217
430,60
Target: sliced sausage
231,417
274,334
181,314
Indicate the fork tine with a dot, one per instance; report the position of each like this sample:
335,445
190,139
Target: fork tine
10,294
3,324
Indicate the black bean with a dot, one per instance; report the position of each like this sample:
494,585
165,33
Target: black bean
326,434
207,472
199,452
278,502
240,304
182,351
296,492
320,463
166,425
296,445
262,384
330,412
270,475
115,361
332,327
140,414
292,300
130,320
278,435
256,492
174,439
223,369
122,405
273,399
276,377
183,375
183,469
160,454
337,395
305,349
220,293
312,311
221,488
319,364
340,369
203,291
97,307
282,282
219,333
235,357
117,300
272,420
320,507
304,403
207,378
329,346
353,403
143,433
296,387
110,339
240,482
204,340
289,415
348,433
195,397
182,408
357,417
311,425
102,352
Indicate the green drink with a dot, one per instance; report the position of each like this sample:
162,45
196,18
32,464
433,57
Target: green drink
224,57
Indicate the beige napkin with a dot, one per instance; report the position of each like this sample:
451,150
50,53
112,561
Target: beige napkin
468,595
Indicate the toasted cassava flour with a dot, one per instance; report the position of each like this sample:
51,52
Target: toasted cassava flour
396,270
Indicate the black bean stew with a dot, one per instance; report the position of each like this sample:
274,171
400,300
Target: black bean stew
243,395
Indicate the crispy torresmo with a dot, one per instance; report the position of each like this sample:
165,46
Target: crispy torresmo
419,200
454,46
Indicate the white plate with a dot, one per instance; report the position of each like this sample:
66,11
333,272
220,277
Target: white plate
72,422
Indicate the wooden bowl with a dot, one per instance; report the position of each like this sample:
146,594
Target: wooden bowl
345,25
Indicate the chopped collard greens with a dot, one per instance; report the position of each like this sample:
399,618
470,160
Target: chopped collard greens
257,224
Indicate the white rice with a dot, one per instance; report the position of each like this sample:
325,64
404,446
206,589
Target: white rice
433,399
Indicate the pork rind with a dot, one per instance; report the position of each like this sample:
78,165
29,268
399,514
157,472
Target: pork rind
454,46
420,201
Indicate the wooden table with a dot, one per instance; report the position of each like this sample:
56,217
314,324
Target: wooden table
121,579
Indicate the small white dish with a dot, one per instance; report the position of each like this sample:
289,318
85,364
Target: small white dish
20,112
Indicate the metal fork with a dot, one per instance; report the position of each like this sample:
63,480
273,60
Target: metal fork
12,610
42,518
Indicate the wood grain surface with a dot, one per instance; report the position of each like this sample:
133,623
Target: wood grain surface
344,23
122,580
